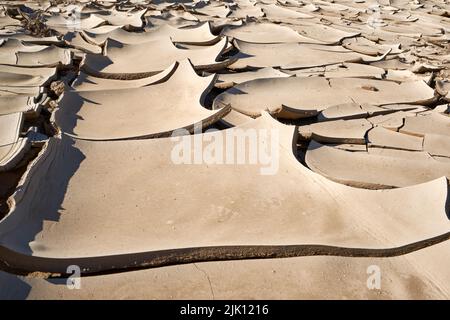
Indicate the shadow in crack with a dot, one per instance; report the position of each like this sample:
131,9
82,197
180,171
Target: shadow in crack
66,116
447,203
39,198
12,287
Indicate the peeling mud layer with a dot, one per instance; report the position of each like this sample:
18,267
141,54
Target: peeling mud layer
225,149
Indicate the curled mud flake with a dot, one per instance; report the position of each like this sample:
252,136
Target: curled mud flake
57,87
43,275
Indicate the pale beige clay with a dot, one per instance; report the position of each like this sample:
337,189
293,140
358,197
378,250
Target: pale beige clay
370,170
186,211
12,146
208,130
313,95
86,82
133,58
146,112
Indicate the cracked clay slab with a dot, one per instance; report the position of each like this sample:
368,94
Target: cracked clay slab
133,59
433,123
146,112
316,94
12,146
146,201
294,55
385,138
18,103
227,80
86,82
366,170
266,33
86,179
13,76
268,279
198,35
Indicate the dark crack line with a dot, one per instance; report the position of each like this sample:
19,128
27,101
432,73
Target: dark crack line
21,264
